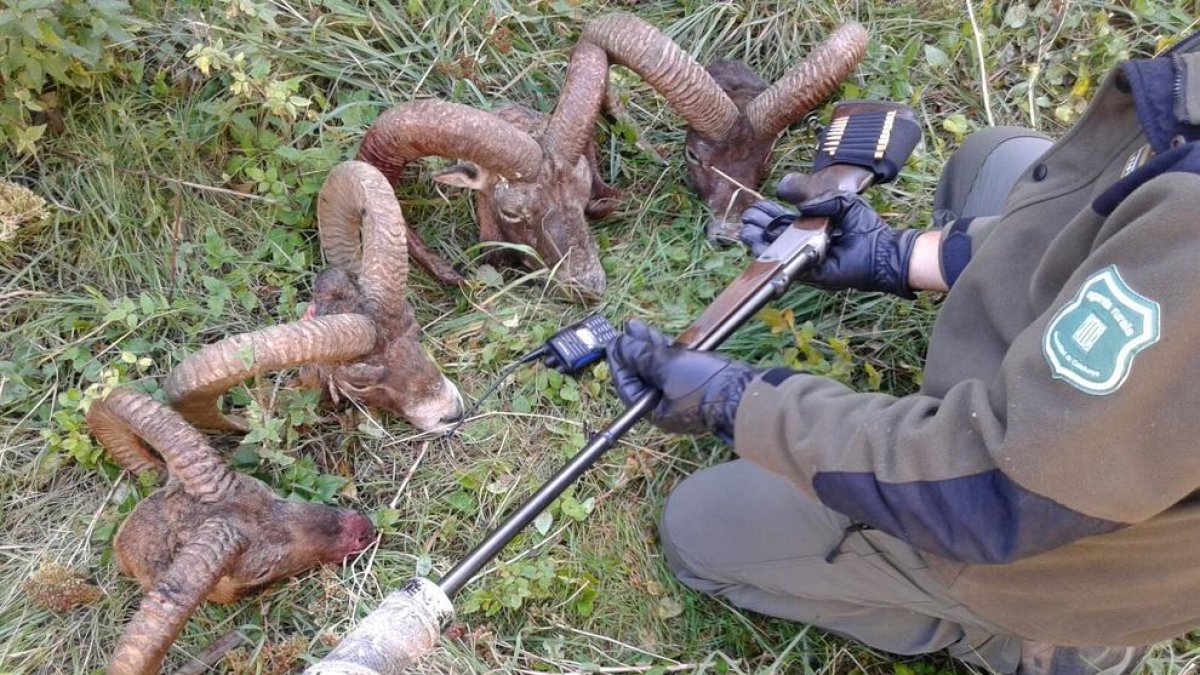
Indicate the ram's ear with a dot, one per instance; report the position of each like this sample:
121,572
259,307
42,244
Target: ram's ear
464,175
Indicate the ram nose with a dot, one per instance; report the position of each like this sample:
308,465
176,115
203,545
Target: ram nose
723,232
455,415
587,288
356,535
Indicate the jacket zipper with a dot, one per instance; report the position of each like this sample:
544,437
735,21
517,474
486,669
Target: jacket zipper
1181,113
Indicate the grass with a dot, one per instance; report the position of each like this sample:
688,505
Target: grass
148,255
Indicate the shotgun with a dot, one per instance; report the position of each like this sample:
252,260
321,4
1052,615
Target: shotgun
865,143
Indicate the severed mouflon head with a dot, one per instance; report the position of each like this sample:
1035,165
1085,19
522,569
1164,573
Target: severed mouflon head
359,336
733,116
535,178
209,533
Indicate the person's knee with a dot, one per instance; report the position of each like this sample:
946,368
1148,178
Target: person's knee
682,540
985,139
725,521
978,177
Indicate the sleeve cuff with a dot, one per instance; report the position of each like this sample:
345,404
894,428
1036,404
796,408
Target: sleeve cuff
956,250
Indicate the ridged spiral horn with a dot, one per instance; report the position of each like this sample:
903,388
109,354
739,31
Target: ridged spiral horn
574,118
357,214
806,85
672,72
195,385
126,421
432,128
195,570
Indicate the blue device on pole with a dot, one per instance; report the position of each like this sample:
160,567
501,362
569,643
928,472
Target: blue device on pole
574,347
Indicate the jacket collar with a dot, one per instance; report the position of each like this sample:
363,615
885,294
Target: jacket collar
1166,94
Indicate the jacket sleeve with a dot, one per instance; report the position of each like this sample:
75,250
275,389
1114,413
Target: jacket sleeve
997,470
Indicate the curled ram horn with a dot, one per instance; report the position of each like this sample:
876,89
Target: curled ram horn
362,230
691,91
535,176
733,116
130,424
569,130
196,385
195,570
806,85
209,533
362,338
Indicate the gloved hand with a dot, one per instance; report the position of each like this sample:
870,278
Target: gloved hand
763,222
701,390
864,253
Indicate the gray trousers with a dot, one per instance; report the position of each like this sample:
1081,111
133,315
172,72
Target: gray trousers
979,175
751,537
748,535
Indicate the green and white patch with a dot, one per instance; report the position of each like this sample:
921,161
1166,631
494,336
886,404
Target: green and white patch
1091,342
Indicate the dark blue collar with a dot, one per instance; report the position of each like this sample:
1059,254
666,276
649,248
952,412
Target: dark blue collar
1185,158
1157,88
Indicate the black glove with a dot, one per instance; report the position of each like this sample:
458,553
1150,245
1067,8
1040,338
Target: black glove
864,253
700,390
763,222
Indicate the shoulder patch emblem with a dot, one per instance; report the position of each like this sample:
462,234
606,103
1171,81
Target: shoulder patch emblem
1091,342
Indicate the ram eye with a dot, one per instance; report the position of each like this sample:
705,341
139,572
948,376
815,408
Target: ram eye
359,377
353,387
262,576
691,157
509,215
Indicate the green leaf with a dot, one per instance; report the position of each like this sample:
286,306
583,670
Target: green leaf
488,276
520,403
245,355
585,604
543,522
246,456
461,500
936,58
668,608
370,429
1017,15
26,139
574,509
473,480
146,304
385,519
957,125
276,457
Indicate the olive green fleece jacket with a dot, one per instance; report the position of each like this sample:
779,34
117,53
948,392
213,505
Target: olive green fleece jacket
1048,467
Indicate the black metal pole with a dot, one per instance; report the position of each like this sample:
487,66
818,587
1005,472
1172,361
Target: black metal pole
469,566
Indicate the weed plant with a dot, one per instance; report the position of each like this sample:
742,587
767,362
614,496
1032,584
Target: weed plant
180,191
